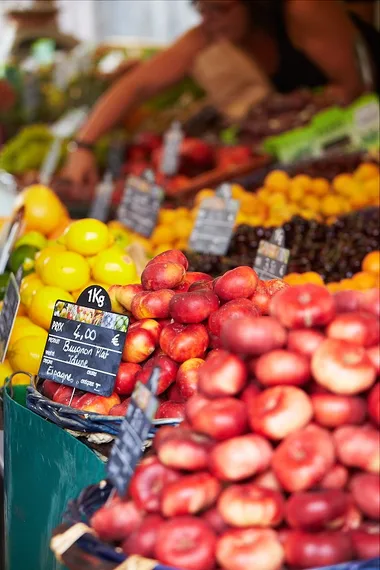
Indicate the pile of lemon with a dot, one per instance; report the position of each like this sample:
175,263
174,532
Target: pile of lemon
86,252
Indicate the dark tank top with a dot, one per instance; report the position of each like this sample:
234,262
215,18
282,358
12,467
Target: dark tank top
295,70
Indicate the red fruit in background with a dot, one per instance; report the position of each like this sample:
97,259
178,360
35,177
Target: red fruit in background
304,341
201,286
342,367
162,275
277,412
172,255
365,489
261,298
190,494
268,480
249,394
237,283
240,457
332,410
281,366
148,482
358,328
168,371
174,394
222,374
229,312
303,306
125,293
144,539
139,344
314,550
374,356
185,449
253,336
358,446
182,342
347,301
251,506
97,404
214,519
193,307
316,510
187,543
220,419
373,403
304,458
120,410
274,286
152,304
251,548
126,378
336,478
187,377
171,410
366,541
64,395
116,521
370,301
49,388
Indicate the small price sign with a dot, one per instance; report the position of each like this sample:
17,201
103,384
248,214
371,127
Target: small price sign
215,223
8,314
140,204
128,447
85,343
272,257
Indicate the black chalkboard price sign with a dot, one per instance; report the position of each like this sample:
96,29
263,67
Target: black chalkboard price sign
85,343
140,204
128,447
215,222
8,314
272,257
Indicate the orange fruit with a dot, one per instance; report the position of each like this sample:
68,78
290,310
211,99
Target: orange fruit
312,277
340,182
366,171
293,279
364,280
166,216
248,203
277,180
346,285
302,181
183,228
43,209
237,191
296,192
320,186
371,262
372,188
331,205
162,234
333,287
311,203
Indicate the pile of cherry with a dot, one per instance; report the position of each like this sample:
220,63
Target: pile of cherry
277,462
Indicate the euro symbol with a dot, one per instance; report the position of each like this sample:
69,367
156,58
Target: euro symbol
115,340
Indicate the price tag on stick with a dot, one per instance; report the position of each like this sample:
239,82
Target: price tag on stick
128,447
272,257
140,204
215,222
85,343
8,314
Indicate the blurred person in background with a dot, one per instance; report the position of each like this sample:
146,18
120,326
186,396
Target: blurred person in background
297,43
365,9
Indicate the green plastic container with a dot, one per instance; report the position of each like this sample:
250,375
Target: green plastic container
45,467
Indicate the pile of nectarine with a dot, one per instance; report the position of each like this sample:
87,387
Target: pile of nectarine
277,461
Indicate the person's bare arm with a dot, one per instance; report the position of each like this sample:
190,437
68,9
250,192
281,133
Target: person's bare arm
325,33
142,83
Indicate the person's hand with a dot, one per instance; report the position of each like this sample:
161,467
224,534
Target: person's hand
80,168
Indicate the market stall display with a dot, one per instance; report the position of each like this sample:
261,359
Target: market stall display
277,429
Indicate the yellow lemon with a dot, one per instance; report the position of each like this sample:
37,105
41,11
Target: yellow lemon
5,372
166,216
163,234
26,329
66,269
29,285
42,305
87,237
114,267
44,255
25,355
43,209
183,228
